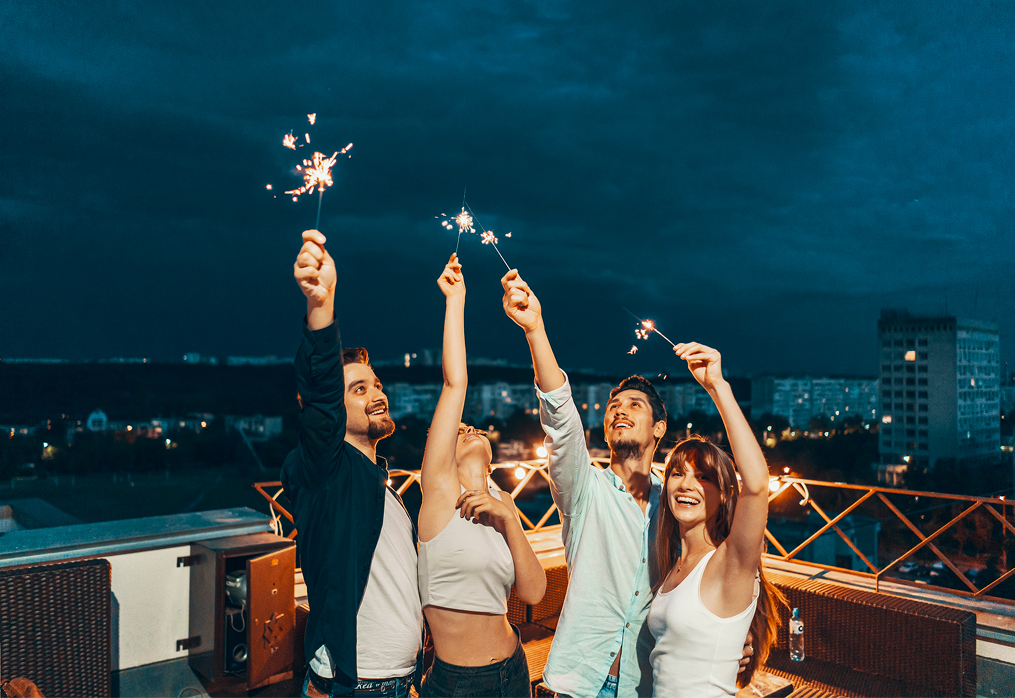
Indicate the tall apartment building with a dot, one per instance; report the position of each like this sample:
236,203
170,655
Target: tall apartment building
940,396
803,398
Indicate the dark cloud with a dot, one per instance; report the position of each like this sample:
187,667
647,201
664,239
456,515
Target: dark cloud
762,176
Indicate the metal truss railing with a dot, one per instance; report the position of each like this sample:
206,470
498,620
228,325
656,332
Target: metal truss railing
523,472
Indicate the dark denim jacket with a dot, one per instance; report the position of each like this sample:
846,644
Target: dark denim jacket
337,498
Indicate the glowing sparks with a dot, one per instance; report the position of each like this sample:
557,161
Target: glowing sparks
644,329
312,118
488,238
316,173
289,141
307,137
633,350
268,187
464,221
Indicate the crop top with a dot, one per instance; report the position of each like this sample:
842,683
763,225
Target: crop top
466,567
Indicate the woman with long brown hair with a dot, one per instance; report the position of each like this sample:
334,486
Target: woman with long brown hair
711,589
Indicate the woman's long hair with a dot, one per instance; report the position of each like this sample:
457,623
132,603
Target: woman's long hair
708,459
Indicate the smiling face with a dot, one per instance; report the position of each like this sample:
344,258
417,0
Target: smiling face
629,425
366,404
693,495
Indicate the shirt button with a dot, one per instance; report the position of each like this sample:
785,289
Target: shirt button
613,654
636,593
628,625
643,559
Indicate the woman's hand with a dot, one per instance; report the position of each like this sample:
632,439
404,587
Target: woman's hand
704,362
451,281
484,508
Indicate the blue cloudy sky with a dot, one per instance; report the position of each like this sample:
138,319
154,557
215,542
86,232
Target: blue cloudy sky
764,177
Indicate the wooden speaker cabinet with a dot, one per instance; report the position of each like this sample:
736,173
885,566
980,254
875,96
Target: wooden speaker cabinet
240,646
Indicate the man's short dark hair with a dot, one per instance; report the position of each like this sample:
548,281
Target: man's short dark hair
642,385
355,355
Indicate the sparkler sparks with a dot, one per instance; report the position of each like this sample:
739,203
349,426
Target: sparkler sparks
289,141
312,118
464,221
645,328
488,238
316,173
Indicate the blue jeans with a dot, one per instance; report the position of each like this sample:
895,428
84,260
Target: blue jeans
388,688
609,689
508,678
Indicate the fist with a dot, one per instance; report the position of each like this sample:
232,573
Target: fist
315,269
451,281
520,303
705,363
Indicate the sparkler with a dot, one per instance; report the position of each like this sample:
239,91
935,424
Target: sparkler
467,223
316,170
647,326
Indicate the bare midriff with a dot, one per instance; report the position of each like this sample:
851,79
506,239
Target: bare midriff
466,638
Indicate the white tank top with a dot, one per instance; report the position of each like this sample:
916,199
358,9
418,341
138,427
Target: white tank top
697,653
466,567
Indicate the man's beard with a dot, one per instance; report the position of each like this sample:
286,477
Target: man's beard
625,449
377,430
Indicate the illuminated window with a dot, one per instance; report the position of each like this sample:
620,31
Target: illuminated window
910,356
887,419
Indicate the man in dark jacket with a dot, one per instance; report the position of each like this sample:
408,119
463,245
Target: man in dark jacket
356,540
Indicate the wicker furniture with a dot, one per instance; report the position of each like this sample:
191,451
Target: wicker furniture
56,631
861,643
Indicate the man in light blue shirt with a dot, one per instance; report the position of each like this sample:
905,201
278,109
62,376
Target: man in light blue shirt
609,520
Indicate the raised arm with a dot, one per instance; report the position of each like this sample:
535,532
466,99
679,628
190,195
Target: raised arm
743,545
439,475
570,465
522,306
320,379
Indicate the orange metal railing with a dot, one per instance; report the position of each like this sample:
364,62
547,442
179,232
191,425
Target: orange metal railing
844,498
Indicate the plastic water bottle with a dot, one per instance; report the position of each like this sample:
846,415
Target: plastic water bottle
796,637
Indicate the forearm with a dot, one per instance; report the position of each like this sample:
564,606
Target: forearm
454,355
530,579
320,314
548,374
746,452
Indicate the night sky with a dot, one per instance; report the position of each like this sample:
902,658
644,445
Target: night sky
762,177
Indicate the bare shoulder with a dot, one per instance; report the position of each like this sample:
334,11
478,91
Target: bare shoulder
726,588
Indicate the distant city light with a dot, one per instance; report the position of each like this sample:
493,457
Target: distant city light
129,427
910,355
886,419
204,424
541,452
45,444
905,459
168,441
786,470
519,473
688,425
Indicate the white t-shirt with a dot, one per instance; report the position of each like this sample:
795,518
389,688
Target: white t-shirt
389,625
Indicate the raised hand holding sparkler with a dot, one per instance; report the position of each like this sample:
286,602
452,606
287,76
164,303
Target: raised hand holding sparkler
520,303
315,273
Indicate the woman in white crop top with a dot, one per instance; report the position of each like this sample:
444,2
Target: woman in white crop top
471,544
709,540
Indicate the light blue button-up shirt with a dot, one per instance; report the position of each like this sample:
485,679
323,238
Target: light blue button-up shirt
607,544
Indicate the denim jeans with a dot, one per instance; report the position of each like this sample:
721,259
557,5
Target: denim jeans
608,690
505,679
388,688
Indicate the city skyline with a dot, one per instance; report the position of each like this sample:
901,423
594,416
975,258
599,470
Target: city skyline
763,179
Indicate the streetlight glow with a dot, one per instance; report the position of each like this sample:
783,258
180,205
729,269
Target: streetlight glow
519,473
541,452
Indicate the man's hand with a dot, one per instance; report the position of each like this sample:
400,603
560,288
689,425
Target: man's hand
748,652
520,303
315,269
451,281
704,362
